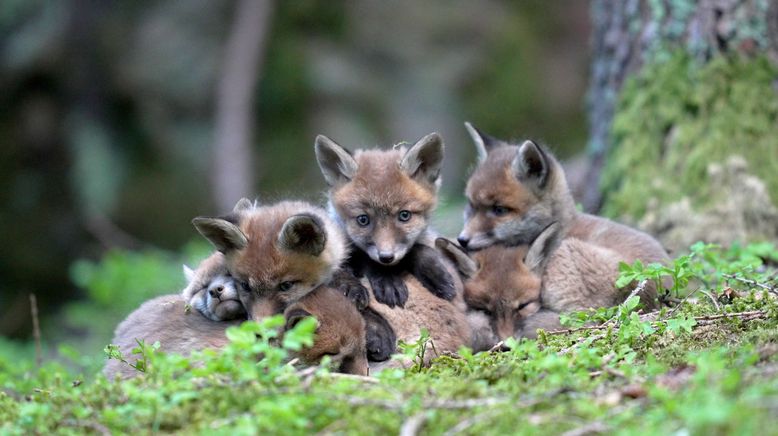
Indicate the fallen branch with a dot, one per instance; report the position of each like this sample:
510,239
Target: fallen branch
434,404
767,288
412,425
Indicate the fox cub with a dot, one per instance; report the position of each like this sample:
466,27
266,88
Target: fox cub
212,291
276,254
517,191
340,332
383,200
524,288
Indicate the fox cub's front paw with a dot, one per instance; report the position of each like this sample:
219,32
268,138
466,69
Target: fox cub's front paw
429,270
388,287
380,339
351,287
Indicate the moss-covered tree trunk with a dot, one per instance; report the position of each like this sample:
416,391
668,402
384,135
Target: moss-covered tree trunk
684,118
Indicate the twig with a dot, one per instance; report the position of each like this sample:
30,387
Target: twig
577,344
471,421
590,428
412,425
752,283
36,331
681,303
96,426
638,289
712,300
434,404
361,378
498,347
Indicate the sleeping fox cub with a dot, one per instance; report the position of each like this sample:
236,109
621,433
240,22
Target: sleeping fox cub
524,288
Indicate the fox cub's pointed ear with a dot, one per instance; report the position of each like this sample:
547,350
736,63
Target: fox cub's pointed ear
464,263
336,163
224,235
303,233
294,316
531,165
189,274
424,160
541,249
483,143
243,204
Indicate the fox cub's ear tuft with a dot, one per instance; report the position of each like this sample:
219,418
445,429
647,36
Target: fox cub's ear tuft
304,233
483,143
464,263
336,163
424,160
224,235
531,165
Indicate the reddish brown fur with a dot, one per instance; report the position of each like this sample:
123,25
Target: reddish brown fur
445,320
340,334
493,183
263,264
381,189
502,284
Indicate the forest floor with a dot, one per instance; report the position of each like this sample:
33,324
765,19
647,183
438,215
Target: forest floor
705,364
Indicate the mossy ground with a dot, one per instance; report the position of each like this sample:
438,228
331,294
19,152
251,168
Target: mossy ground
674,372
678,116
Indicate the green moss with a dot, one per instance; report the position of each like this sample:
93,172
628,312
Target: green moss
677,117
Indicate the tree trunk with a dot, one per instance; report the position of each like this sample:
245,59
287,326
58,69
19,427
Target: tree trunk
232,176
673,77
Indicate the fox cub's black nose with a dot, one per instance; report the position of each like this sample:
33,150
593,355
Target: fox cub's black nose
386,258
216,291
463,241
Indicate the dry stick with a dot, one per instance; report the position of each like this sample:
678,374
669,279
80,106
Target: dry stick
681,303
434,404
752,283
712,300
36,330
412,425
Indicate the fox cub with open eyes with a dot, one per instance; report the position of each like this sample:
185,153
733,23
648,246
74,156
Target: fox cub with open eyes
277,253
517,191
383,200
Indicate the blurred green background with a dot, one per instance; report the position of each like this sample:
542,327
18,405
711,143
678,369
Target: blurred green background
109,123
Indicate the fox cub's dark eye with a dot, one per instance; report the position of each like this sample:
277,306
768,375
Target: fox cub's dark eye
363,220
244,286
285,286
499,210
523,305
404,215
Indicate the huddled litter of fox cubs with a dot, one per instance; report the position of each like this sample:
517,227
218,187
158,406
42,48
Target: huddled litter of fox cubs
372,272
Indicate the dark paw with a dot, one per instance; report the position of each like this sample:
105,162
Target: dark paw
388,288
380,339
430,271
359,295
351,287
